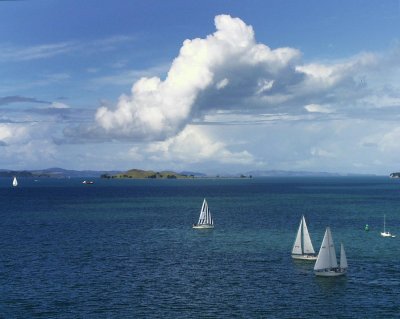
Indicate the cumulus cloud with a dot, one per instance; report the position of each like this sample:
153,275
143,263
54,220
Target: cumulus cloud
13,133
192,145
157,108
229,70
390,141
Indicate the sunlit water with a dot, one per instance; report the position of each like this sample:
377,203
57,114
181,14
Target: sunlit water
126,249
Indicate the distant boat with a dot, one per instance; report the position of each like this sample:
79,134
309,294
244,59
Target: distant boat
205,218
15,182
302,247
386,233
366,227
326,264
87,182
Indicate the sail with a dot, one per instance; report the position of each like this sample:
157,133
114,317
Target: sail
297,243
205,215
202,216
307,244
343,259
15,182
327,254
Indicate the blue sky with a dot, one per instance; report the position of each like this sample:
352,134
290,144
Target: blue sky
211,86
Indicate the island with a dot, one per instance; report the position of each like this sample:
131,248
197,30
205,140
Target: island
395,175
142,174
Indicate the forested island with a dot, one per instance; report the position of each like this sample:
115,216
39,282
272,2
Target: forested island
141,174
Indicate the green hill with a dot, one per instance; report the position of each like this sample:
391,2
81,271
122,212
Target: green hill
141,174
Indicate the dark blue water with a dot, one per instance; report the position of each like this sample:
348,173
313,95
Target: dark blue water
126,249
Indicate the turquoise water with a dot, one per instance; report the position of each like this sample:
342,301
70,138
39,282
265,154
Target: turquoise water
126,249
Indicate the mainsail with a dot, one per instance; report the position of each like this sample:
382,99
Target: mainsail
307,244
205,215
327,254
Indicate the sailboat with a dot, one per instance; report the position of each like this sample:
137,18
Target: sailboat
386,233
15,182
205,218
302,247
326,264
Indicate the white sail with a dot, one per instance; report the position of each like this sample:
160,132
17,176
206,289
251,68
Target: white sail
297,249
202,213
15,182
307,244
302,247
343,259
205,215
327,254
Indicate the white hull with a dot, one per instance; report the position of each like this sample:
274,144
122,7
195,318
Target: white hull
305,257
203,226
387,234
330,272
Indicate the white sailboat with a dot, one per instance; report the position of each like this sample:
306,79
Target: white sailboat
326,264
205,218
15,182
386,233
302,247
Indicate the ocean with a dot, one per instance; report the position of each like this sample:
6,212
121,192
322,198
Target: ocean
126,249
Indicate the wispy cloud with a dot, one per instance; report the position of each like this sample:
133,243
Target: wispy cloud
20,99
15,53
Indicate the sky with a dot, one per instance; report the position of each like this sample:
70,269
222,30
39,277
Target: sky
213,86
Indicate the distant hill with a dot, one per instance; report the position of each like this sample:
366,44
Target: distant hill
279,173
195,174
395,175
54,172
141,174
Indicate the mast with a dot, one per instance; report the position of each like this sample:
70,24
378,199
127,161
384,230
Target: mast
384,223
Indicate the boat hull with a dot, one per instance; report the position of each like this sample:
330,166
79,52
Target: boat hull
305,257
330,272
203,226
387,234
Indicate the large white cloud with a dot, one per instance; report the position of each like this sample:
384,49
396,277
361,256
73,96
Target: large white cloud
13,133
156,109
192,145
229,70
21,143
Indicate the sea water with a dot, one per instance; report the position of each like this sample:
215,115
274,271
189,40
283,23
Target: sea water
126,249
